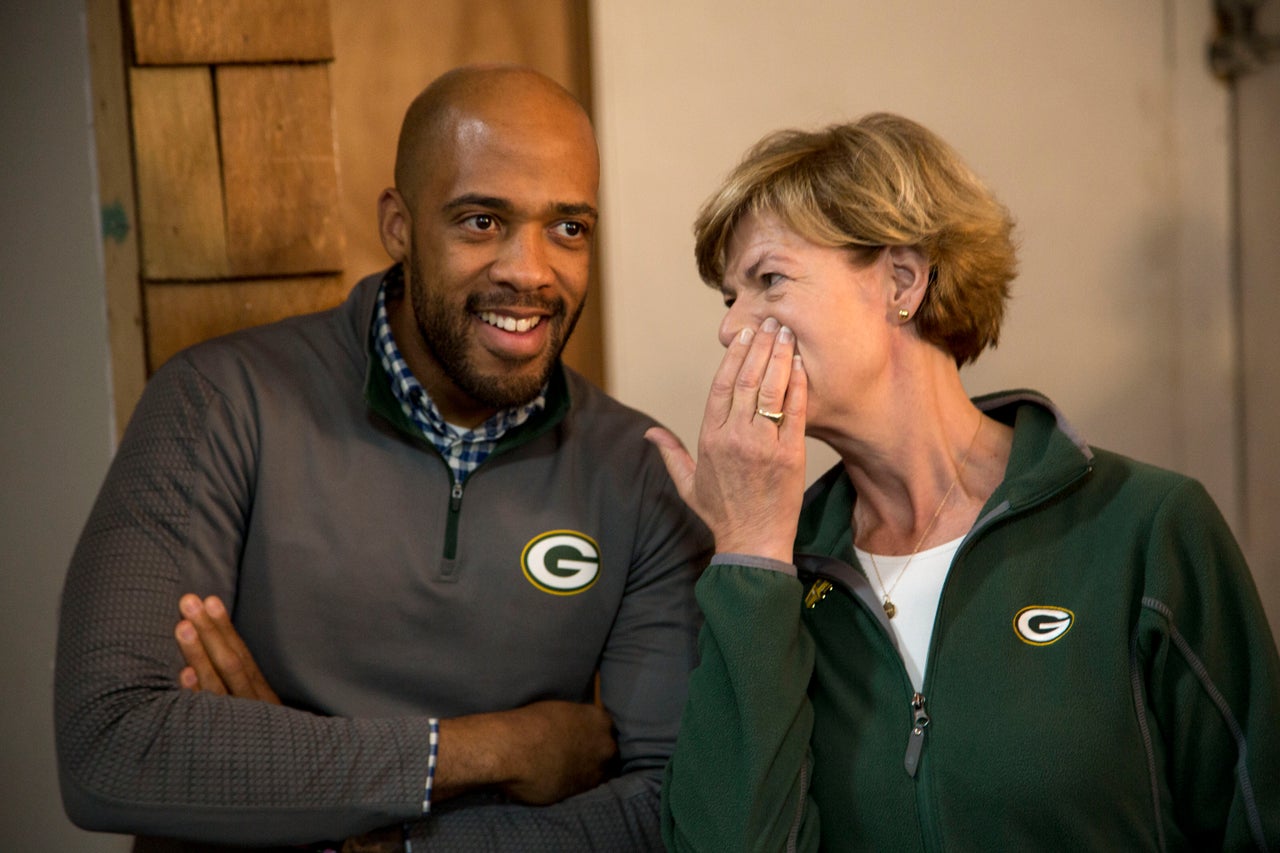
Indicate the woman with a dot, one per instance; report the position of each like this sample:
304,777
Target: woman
975,631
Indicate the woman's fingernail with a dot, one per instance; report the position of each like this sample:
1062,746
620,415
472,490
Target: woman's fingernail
745,336
785,336
769,325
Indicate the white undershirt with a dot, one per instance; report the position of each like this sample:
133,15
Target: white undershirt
915,595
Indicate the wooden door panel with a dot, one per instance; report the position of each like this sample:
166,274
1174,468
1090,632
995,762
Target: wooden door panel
179,315
212,32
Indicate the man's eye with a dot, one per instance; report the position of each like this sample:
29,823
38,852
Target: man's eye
481,221
572,229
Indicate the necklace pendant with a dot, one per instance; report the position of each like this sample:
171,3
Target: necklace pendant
889,609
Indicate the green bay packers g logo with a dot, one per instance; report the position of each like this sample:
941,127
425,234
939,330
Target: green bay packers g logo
561,562
1039,625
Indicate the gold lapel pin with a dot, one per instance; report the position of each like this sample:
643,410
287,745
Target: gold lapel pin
816,593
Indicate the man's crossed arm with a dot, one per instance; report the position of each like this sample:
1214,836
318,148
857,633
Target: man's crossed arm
537,754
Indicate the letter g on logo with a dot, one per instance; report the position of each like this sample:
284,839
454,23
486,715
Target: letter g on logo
561,562
1039,625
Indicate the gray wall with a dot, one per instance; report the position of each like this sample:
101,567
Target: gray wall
55,429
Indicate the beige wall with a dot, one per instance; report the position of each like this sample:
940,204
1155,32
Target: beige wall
1096,121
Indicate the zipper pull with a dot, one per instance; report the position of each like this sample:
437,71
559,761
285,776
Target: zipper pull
915,743
455,497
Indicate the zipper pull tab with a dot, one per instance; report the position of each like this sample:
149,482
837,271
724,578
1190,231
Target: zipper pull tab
915,743
455,497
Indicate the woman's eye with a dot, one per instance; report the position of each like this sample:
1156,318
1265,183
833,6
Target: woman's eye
772,278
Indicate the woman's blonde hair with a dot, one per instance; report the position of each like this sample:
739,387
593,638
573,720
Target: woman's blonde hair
880,181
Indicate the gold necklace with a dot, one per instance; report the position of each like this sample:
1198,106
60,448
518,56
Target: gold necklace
890,609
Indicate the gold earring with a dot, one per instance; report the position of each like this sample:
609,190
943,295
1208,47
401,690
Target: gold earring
903,314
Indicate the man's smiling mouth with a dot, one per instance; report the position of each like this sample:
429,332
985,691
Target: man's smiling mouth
509,324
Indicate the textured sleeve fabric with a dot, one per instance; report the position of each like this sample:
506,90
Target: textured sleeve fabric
1209,680
739,777
136,753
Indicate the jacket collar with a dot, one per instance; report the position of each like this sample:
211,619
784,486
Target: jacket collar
1048,455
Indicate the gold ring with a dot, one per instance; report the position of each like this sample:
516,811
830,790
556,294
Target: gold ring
776,417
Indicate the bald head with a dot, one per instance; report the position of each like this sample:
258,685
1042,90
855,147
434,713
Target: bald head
444,113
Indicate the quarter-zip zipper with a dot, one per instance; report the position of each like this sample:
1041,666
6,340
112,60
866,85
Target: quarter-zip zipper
451,526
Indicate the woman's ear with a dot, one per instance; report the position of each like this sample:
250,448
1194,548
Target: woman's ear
910,278
395,225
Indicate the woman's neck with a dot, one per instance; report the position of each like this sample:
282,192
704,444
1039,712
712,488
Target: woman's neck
924,467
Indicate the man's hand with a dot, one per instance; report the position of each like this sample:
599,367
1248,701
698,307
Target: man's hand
538,754
218,661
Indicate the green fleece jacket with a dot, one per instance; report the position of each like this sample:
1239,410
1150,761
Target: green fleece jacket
1101,677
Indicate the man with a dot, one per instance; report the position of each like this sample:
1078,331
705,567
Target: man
429,534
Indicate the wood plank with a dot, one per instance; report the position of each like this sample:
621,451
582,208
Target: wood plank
180,206
210,32
119,217
280,176
182,314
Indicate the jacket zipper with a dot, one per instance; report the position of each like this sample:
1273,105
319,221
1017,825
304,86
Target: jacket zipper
920,718
915,741
919,713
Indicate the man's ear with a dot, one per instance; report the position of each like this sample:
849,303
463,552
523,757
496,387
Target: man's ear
910,278
395,225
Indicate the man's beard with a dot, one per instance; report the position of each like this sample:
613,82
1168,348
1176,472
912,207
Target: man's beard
447,335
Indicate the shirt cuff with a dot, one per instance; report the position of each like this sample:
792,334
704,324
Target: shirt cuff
754,562
433,746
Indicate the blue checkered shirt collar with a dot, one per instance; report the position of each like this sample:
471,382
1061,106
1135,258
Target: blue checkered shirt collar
463,449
